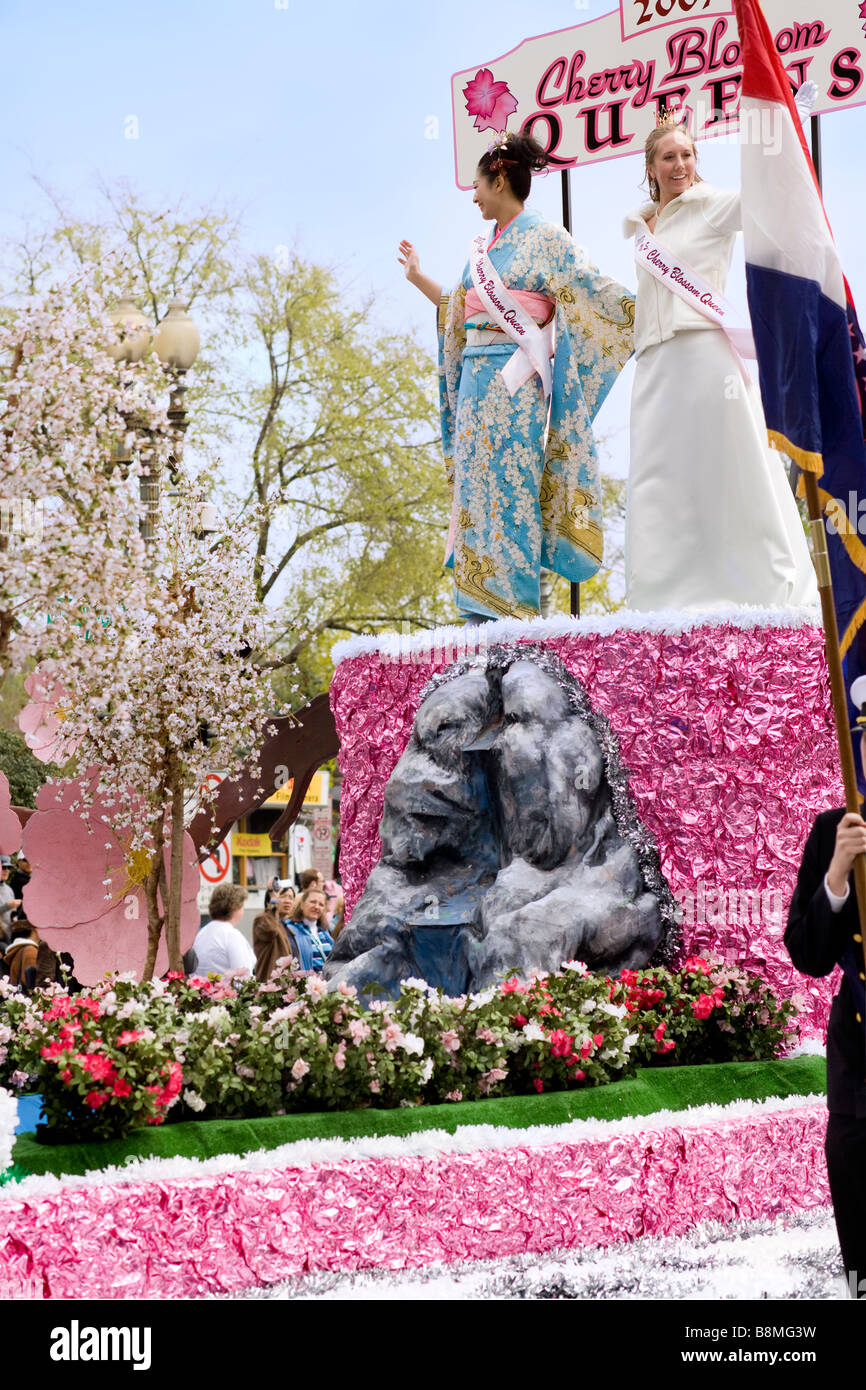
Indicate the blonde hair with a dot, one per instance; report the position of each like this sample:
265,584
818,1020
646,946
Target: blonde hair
653,139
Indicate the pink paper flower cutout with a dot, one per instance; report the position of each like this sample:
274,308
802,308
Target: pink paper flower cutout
10,825
489,102
66,896
41,721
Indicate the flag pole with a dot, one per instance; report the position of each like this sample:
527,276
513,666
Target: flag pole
573,589
832,651
838,692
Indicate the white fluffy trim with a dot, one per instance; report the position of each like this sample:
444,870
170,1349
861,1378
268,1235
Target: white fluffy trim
427,1143
8,1121
459,642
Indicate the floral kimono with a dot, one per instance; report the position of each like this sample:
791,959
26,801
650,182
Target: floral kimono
525,489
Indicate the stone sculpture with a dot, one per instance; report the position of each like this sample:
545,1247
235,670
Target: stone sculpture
500,847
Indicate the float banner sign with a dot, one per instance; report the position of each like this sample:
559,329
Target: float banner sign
593,92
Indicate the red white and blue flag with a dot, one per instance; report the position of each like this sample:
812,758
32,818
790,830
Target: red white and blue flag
811,354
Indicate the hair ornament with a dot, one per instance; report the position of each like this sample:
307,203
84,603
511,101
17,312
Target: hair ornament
499,142
670,119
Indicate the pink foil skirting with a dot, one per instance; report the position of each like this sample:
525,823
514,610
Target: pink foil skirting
728,736
182,1238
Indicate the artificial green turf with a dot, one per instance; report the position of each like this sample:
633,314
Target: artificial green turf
649,1090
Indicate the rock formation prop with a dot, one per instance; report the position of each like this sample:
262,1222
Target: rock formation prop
509,840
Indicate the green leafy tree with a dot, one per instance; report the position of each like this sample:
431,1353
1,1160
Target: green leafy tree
25,773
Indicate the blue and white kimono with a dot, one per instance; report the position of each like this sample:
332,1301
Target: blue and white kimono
525,495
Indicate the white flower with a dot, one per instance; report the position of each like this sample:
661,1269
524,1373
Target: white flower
629,1041
412,1043
605,1007
533,1032
427,1069
577,966
414,983
484,996
193,1100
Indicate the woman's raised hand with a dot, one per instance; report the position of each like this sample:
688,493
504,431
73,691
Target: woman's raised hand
408,258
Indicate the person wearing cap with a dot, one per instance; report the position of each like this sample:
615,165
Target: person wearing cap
8,901
824,930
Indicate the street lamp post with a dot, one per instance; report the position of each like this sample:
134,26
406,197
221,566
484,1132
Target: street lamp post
176,345
176,342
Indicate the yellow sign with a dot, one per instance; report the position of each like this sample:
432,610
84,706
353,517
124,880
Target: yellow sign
259,846
316,794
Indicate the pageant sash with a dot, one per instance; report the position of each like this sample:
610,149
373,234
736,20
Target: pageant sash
535,345
654,257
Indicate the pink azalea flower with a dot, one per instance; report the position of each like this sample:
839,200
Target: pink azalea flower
393,1036
703,1006
340,1057
454,1095
95,1098
450,1040
66,896
300,1069
490,102
490,1079
359,1031
122,1088
561,1043
129,1035
101,1068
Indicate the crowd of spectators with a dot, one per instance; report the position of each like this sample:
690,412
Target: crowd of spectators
300,924
25,959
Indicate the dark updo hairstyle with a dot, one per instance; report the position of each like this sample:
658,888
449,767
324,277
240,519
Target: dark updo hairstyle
517,159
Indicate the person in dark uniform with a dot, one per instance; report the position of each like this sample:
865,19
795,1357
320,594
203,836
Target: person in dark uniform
823,931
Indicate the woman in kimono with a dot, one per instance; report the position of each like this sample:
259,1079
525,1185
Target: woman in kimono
710,519
530,342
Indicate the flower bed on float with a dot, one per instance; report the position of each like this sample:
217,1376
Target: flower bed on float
126,1054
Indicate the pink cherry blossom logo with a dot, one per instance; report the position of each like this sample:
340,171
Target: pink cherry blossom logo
489,102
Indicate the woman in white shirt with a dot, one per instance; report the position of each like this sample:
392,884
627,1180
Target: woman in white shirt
711,520
219,946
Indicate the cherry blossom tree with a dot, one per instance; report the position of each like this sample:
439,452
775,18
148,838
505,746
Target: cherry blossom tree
170,692
77,431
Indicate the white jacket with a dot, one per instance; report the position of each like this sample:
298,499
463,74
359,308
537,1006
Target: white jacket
699,226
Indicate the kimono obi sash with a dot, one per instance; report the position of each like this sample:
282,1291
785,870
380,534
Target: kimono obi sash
540,306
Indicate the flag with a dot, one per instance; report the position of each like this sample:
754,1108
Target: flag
811,353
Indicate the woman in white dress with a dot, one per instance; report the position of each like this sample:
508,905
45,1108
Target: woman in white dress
710,520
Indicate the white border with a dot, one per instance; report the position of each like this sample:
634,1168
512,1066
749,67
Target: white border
304,1153
395,646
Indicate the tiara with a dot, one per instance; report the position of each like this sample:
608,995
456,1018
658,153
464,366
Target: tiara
670,119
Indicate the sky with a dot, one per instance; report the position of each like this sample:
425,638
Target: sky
314,119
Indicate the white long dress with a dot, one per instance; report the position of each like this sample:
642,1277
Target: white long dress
710,517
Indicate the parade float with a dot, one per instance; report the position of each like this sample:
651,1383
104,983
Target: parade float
667,849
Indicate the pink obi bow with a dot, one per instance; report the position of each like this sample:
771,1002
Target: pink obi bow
536,304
